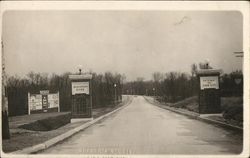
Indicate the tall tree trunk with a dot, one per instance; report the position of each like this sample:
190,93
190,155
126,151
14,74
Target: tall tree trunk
5,122
5,126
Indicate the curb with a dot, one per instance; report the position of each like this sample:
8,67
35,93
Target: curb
225,125
197,116
57,139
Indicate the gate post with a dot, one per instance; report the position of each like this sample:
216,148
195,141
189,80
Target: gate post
209,91
81,96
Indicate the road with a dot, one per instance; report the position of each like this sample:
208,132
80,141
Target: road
143,128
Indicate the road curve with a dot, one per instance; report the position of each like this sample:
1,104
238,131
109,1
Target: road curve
142,128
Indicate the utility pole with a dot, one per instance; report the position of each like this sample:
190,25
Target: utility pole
154,92
115,92
239,54
5,121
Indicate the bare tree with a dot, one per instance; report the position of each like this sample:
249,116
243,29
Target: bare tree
193,73
157,76
193,69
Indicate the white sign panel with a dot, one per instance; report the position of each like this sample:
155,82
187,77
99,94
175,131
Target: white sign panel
53,100
44,92
36,101
208,82
80,88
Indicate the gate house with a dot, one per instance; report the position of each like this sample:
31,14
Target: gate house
209,92
81,98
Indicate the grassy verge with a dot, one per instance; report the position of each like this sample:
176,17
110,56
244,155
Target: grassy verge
22,138
190,104
232,109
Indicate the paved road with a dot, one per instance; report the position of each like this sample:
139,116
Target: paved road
142,128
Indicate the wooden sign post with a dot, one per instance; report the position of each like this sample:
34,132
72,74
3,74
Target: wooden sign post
81,96
209,92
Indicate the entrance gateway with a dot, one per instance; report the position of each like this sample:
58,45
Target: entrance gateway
209,92
81,96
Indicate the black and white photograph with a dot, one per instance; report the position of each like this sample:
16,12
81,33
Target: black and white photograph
113,79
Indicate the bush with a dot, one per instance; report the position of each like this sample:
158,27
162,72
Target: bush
232,108
234,113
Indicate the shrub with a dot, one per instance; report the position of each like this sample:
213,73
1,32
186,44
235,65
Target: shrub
234,113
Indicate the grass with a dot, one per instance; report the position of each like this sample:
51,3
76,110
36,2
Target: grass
190,104
25,138
227,102
232,108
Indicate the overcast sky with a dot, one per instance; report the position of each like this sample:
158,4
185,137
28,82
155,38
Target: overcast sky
136,43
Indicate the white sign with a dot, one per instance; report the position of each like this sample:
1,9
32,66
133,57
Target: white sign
208,82
80,88
53,100
35,101
44,92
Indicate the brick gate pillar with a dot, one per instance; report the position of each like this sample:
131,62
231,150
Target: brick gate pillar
81,96
209,91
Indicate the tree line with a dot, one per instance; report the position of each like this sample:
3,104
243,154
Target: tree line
103,89
176,86
168,87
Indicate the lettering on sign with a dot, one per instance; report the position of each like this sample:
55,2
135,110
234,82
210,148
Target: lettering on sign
80,88
208,82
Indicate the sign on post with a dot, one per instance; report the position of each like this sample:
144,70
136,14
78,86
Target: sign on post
35,102
44,92
43,102
208,82
80,88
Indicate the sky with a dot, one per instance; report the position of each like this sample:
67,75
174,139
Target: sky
134,43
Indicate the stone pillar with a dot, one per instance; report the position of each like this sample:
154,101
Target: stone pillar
209,91
81,96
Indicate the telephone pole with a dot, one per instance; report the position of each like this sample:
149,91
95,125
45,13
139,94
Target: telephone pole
239,54
5,121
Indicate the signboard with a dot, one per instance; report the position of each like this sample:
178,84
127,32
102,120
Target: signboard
208,82
80,88
35,102
43,102
53,100
44,92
